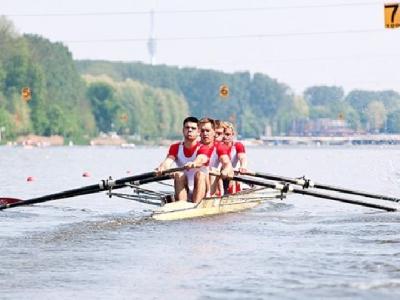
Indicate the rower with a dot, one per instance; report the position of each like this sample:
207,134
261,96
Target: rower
219,130
182,153
237,154
210,155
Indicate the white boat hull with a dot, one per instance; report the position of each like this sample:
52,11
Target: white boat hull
213,205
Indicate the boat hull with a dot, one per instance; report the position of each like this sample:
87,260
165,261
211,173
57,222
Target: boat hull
211,206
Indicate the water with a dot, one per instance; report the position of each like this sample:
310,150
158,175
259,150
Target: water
93,247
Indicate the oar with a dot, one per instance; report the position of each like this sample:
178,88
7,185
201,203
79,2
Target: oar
306,183
95,188
288,188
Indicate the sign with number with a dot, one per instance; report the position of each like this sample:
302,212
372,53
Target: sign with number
392,15
224,91
26,94
124,118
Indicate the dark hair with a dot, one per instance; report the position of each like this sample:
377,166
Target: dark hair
191,120
218,123
207,120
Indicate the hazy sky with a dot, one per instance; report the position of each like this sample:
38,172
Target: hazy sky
298,42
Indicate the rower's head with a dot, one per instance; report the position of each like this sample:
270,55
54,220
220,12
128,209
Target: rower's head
190,128
207,131
229,133
219,130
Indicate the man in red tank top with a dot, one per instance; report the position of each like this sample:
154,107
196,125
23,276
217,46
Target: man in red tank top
219,131
209,155
237,151
182,153
237,154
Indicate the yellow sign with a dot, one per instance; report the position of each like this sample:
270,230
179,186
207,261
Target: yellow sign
392,15
224,91
124,118
26,94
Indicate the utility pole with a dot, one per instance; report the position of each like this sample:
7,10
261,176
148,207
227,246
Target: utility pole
152,42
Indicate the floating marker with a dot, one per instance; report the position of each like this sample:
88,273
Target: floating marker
30,178
86,174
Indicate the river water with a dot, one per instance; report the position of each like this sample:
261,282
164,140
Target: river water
93,247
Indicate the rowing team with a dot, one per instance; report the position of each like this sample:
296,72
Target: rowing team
207,145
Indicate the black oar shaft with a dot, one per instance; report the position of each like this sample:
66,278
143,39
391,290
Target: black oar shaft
284,188
301,181
95,188
354,192
344,200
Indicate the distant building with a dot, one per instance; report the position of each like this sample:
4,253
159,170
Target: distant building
320,127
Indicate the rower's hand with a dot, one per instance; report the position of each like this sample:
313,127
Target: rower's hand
243,171
190,165
227,173
159,170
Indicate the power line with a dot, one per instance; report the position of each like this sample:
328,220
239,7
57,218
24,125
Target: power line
228,37
194,11
354,58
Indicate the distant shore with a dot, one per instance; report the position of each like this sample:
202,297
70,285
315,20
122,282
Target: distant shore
30,141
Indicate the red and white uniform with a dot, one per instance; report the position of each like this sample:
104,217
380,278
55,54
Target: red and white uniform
182,156
213,153
234,150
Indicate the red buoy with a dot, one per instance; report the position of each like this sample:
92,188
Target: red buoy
30,178
86,174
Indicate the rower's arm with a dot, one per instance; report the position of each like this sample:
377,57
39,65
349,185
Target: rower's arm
227,169
200,161
166,164
243,162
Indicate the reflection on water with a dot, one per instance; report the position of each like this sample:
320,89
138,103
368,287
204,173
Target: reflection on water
100,248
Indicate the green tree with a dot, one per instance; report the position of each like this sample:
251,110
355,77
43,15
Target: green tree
323,95
393,122
376,114
105,108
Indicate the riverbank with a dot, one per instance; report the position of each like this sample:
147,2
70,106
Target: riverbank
126,142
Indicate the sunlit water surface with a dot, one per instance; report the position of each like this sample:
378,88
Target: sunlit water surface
93,247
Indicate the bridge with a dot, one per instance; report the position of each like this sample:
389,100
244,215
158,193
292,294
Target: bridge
372,139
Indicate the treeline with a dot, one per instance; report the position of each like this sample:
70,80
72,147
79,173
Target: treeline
253,102
369,111
77,107
58,104
256,101
79,99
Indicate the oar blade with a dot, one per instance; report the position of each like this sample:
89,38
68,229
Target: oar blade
7,201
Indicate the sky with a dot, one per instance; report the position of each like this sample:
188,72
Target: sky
300,43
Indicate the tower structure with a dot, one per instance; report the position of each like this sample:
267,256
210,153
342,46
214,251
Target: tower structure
152,42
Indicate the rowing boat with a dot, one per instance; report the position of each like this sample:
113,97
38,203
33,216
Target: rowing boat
214,205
